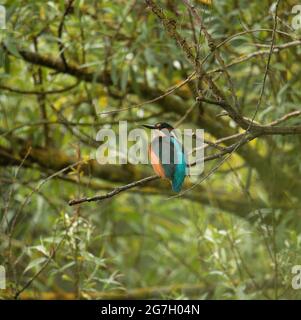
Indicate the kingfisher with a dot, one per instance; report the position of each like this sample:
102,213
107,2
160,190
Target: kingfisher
167,155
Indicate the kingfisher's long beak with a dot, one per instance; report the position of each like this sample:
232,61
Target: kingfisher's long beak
149,126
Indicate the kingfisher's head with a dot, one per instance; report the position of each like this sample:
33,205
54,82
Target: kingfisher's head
159,126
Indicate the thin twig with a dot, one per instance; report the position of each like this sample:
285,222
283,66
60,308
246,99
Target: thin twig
60,33
114,191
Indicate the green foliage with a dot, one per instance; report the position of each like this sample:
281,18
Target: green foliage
234,236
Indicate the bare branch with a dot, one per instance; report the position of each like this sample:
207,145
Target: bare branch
114,191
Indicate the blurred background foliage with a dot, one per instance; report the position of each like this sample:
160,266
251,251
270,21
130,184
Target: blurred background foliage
235,235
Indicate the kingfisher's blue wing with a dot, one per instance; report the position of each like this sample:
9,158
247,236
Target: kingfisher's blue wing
180,170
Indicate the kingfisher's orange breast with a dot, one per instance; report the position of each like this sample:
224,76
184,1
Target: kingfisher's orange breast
156,163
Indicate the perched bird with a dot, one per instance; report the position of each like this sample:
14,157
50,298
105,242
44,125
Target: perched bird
167,155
